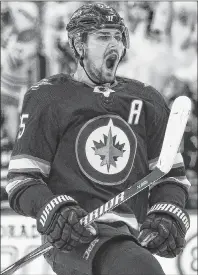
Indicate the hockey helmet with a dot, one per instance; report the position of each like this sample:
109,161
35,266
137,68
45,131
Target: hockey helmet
95,16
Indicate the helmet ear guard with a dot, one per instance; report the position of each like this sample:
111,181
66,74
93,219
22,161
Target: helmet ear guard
123,55
126,39
80,39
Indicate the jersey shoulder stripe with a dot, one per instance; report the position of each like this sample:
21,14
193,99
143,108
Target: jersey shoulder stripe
57,79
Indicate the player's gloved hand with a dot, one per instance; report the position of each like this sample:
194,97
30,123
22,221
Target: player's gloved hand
59,220
164,229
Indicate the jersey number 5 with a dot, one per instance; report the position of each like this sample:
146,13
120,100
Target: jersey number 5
22,125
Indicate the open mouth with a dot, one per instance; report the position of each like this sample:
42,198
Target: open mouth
111,61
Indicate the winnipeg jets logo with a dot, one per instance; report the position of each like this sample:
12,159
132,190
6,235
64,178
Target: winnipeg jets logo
108,150
105,149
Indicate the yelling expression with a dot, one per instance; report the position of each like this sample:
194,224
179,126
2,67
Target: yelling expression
103,51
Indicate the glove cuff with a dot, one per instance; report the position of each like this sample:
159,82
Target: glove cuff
179,214
46,214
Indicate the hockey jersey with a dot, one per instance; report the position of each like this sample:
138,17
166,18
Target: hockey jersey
92,142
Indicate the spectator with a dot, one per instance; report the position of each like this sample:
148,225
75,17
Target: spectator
55,42
6,149
18,52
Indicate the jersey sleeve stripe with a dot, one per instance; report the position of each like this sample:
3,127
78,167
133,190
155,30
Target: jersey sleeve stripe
152,163
15,184
176,174
181,180
22,156
29,165
178,162
28,170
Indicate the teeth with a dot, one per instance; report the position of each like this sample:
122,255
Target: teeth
113,56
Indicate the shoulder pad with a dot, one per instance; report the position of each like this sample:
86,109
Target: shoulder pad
155,95
52,80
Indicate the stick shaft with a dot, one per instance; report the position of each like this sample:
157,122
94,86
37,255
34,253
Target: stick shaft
26,259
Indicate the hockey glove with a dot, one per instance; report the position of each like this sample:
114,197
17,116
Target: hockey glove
59,220
164,229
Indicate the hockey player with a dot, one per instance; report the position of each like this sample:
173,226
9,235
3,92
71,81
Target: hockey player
83,139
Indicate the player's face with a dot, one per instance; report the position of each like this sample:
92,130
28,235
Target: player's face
104,49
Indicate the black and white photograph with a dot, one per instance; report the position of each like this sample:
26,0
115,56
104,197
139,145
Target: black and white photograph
99,138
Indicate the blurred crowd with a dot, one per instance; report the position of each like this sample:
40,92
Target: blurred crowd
163,53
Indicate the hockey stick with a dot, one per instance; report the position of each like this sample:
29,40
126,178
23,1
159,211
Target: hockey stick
179,114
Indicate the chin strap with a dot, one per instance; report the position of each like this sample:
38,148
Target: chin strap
82,65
